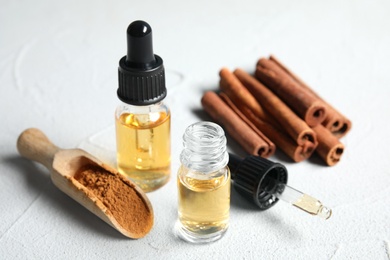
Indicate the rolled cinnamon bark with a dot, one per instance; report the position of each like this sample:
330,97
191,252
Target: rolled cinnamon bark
305,104
329,147
336,122
240,95
230,85
233,125
271,145
295,127
281,139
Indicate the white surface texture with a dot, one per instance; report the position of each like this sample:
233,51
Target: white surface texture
58,72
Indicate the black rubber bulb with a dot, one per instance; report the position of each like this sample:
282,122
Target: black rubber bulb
140,46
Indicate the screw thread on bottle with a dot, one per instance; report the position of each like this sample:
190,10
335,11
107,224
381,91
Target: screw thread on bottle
204,147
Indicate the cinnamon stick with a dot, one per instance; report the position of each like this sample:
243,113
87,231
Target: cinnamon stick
295,127
329,147
230,85
280,138
303,102
240,95
336,122
234,126
258,131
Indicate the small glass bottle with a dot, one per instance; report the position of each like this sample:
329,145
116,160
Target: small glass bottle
142,119
203,184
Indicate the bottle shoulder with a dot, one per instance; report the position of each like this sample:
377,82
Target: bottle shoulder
142,110
126,108
142,116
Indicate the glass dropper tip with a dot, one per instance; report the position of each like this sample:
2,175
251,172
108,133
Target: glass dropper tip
324,212
301,200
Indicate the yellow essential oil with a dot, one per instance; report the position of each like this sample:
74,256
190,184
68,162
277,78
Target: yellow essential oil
312,206
204,203
143,148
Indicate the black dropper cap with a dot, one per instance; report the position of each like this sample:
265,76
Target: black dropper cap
141,73
255,178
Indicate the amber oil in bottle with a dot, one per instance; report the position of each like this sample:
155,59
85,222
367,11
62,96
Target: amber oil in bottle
143,146
203,184
142,119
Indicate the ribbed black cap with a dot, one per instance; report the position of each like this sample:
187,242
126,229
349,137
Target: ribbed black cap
141,74
254,178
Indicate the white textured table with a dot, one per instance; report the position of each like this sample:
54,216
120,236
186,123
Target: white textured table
58,72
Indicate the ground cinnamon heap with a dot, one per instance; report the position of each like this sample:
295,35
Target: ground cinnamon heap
121,200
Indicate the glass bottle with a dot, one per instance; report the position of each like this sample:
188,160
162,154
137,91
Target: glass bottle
203,184
142,119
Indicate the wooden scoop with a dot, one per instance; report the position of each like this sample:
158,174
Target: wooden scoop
64,164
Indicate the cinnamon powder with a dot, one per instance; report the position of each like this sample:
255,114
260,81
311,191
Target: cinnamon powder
125,205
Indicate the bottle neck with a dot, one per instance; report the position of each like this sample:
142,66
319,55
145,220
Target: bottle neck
204,148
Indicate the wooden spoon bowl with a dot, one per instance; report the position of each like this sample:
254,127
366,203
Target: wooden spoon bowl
64,164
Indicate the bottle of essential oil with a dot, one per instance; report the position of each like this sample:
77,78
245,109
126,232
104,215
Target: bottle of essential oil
142,119
203,184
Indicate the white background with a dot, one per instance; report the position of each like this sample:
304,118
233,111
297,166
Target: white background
58,72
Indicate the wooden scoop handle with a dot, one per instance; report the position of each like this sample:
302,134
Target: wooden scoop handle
34,145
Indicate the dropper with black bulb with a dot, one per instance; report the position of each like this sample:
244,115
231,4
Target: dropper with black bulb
264,182
142,118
